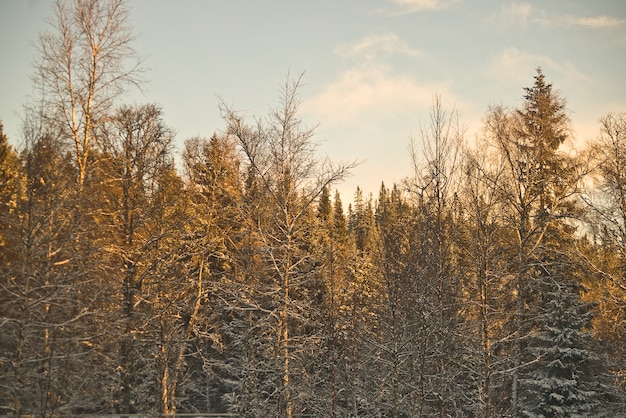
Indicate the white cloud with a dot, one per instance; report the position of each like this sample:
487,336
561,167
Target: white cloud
516,65
410,6
523,13
590,22
596,21
360,94
368,113
518,11
370,47
370,88
403,7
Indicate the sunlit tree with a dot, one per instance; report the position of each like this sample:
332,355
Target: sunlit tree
280,155
85,63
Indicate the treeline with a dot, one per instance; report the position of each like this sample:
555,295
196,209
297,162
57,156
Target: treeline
489,283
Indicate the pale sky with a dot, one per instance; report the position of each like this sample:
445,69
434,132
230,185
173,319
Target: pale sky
372,67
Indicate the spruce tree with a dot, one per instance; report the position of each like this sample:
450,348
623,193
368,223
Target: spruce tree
556,351
565,380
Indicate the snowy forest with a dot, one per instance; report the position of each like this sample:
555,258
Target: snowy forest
235,278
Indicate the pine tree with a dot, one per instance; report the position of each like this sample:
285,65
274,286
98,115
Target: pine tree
363,301
324,206
220,254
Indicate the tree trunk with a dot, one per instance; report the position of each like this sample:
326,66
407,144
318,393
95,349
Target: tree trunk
169,383
167,396
284,331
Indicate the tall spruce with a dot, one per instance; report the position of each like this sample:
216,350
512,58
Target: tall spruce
539,190
363,304
216,251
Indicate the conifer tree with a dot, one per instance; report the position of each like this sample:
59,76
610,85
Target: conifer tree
567,377
219,254
363,303
400,325
538,187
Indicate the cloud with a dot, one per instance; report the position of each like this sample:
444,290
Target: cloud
370,47
523,13
411,6
514,64
368,113
589,22
596,22
366,93
370,89
518,11
403,7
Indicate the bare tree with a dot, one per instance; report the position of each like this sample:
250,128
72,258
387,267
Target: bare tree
134,160
280,152
486,276
434,185
607,221
85,63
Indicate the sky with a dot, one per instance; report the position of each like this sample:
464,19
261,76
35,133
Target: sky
371,68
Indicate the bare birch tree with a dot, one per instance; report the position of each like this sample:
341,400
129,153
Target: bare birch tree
85,64
281,153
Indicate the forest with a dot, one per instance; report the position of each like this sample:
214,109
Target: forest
232,278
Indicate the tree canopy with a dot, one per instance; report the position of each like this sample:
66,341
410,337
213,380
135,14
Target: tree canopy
489,282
